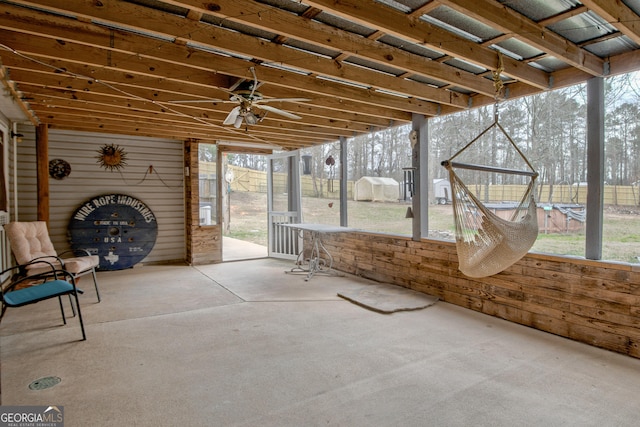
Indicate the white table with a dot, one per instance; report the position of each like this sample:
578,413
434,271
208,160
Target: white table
316,264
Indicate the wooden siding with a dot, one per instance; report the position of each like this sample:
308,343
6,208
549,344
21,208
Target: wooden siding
153,174
26,178
594,302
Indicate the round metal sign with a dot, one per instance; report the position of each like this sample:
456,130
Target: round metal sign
120,229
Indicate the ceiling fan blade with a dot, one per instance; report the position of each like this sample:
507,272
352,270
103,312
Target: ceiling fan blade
232,116
236,97
255,82
281,100
279,111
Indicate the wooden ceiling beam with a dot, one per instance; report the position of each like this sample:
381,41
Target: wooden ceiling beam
625,63
377,15
425,9
617,14
165,91
496,40
376,103
145,118
266,126
40,92
159,98
506,20
96,124
274,20
51,114
206,35
113,66
212,138
575,11
120,56
600,39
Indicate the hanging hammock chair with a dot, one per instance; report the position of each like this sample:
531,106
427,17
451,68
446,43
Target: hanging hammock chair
487,243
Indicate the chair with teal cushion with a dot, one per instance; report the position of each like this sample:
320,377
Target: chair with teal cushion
52,283
30,241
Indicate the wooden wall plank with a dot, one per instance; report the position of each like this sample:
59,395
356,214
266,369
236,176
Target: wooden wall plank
597,303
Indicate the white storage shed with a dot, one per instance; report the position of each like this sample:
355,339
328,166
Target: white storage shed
376,189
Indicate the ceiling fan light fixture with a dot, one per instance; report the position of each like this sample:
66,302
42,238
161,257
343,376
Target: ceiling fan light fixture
249,99
251,118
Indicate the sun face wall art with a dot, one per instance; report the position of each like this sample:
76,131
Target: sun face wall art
112,157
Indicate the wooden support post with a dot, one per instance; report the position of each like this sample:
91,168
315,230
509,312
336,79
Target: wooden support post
419,161
343,182
188,205
595,168
42,172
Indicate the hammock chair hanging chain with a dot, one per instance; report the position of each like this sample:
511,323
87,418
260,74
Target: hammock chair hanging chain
498,85
486,243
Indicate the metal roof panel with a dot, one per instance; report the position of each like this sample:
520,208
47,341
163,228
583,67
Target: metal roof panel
549,64
362,62
237,26
410,47
344,24
464,23
583,27
613,46
466,66
519,48
538,10
312,48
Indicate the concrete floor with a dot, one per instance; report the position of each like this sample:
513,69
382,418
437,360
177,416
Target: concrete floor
236,250
244,344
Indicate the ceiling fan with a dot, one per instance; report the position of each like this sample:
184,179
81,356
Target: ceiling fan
245,93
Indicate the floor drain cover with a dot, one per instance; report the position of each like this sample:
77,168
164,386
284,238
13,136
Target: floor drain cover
46,382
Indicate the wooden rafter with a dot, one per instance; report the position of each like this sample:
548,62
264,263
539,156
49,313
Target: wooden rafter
617,14
117,66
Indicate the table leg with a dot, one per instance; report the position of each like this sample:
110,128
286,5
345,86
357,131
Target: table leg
316,263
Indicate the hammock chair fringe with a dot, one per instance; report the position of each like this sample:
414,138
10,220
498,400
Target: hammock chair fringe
486,243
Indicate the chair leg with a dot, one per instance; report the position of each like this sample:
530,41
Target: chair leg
73,309
95,282
64,318
84,335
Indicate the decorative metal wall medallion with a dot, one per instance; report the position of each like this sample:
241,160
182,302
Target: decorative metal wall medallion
112,156
59,169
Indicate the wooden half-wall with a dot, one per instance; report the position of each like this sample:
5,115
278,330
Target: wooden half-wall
594,302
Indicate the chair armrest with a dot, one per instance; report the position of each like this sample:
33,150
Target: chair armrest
22,268
44,258
13,277
22,277
76,252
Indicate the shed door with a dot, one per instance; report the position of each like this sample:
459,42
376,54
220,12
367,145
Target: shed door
283,204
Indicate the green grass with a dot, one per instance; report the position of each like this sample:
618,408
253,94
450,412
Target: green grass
561,244
249,222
